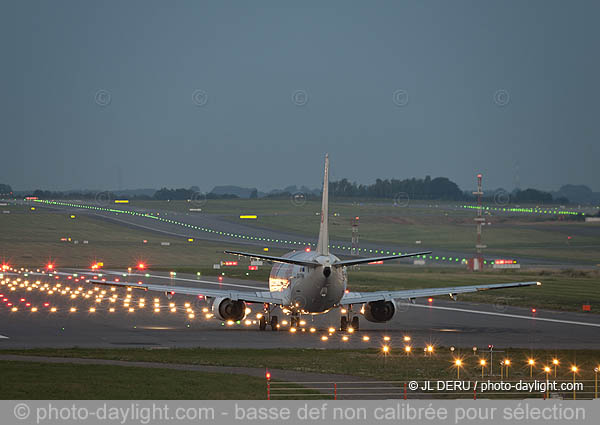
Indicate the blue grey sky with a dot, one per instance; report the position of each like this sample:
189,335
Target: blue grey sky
135,94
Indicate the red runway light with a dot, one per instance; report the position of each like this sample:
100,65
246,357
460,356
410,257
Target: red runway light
307,249
22,300
220,278
9,304
430,300
50,266
268,376
141,266
533,310
46,304
27,304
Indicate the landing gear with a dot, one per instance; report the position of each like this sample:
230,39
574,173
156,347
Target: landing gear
262,323
267,319
344,324
347,320
295,322
355,323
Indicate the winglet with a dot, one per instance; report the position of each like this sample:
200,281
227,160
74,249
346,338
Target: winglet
323,244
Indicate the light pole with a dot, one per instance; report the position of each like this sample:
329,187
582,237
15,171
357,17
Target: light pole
555,363
547,370
596,369
482,362
458,364
531,362
507,364
574,369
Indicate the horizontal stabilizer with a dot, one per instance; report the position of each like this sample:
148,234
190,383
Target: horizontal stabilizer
276,259
372,259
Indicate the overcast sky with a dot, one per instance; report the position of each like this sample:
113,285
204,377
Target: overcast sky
136,94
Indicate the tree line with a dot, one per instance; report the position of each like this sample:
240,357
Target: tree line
438,188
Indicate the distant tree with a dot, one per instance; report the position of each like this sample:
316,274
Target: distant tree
438,188
532,195
5,189
180,194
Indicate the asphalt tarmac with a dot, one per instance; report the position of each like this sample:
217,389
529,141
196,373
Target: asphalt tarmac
442,322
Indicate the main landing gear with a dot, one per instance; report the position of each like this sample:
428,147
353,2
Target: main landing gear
347,320
295,321
267,319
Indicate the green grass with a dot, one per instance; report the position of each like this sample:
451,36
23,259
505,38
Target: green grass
437,226
521,235
33,238
366,363
516,239
35,381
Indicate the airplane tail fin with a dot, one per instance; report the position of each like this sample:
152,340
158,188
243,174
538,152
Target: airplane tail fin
323,244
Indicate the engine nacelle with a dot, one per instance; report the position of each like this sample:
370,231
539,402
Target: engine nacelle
379,311
227,309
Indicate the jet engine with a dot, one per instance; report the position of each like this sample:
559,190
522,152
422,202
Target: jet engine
379,311
227,309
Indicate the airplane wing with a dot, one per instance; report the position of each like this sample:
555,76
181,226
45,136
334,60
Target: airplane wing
365,297
276,259
249,296
355,261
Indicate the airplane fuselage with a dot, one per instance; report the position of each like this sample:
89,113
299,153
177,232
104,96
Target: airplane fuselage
309,290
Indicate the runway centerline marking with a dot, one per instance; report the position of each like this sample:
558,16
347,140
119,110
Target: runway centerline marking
3,337
515,316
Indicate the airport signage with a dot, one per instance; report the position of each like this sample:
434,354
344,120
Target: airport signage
506,264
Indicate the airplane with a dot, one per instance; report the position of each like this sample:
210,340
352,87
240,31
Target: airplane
312,282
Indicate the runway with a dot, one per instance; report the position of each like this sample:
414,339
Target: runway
442,323
214,227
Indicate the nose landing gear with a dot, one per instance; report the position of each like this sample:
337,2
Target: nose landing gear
347,320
